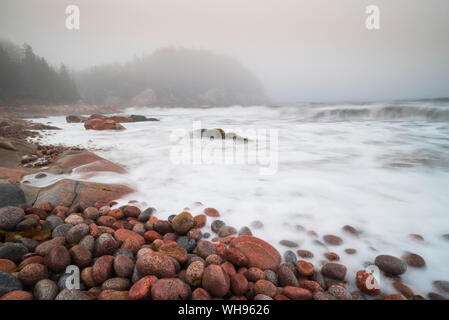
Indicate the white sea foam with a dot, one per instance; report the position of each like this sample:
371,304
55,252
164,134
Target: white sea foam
382,170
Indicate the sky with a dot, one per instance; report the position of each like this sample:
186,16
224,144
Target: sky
301,50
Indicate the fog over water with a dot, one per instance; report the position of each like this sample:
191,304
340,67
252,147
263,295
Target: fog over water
301,50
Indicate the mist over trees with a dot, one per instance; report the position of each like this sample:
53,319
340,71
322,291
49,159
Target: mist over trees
172,76
167,77
28,78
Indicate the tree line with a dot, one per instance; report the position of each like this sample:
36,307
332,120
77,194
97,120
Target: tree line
177,76
28,78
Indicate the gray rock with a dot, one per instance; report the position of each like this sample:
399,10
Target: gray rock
72,294
271,276
116,284
88,242
340,293
11,195
10,217
146,214
390,264
286,276
13,252
139,118
245,231
26,224
204,249
136,275
318,277
290,256
52,222
9,283
45,290
61,230
262,297
186,242
29,243
62,281
78,232
217,225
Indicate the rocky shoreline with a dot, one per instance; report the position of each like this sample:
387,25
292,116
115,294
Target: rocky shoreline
127,253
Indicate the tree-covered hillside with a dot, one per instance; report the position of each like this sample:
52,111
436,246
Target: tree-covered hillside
28,78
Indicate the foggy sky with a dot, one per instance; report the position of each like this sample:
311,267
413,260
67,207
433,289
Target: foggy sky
302,50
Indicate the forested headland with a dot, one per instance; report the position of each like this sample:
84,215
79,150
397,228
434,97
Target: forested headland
167,77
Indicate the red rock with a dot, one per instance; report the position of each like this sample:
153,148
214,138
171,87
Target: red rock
119,119
41,213
350,251
86,277
102,268
123,266
228,268
152,235
80,255
288,243
258,252
183,222
115,213
280,297
200,294
367,283
211,212
131,211
100,124
253,274
170,236
45,206
236,257
199,220
162,226
394,297
304,254
310,285
169,289
334,271
7,265
141,290
122,225
175,251
332,240
113,295
106,221
33,273
17,295
414,260
124,234
295,293
332,256
403,289
57,259
157,264
239,284
216,281
305,268
220,250
265,287
30,260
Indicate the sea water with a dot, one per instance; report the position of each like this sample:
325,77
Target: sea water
382,168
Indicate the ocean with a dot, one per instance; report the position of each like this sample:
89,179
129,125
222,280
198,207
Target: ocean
382,168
